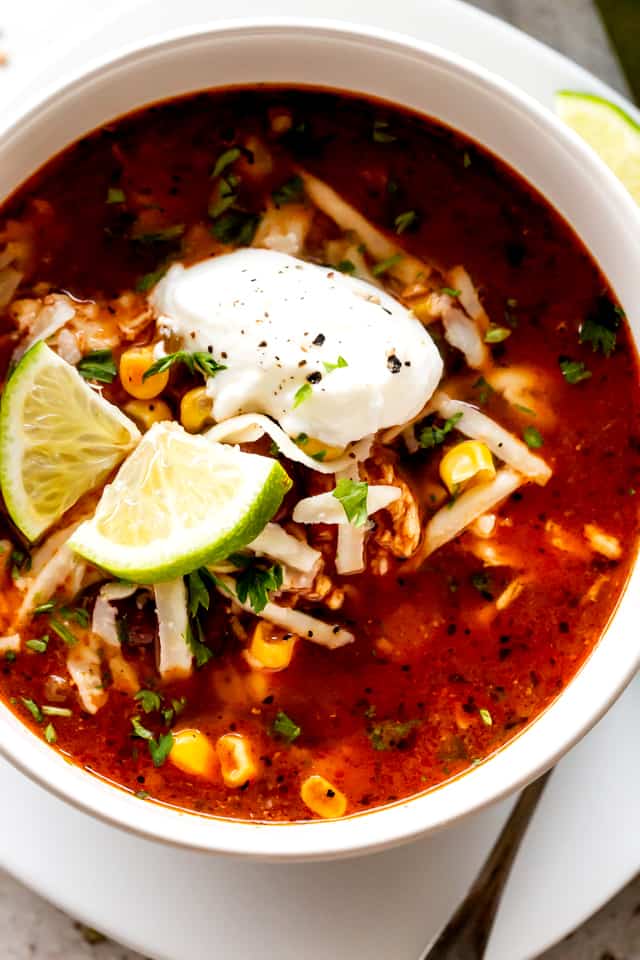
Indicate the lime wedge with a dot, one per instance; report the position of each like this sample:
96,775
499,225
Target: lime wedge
178,502
612,133
58,439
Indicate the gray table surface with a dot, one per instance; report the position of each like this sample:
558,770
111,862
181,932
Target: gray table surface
31,929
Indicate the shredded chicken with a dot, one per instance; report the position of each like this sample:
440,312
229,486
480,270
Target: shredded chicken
601,542
401,535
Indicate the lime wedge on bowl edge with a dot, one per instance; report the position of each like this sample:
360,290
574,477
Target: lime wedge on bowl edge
179,501
58,439
613,134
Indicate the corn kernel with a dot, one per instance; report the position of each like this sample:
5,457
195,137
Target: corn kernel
469,460
193,753
195,410
270,649
147,412
236,759
318,449
134,363
323,798
423,309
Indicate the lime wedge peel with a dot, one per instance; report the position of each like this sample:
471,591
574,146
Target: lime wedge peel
178,502
612,133
59,438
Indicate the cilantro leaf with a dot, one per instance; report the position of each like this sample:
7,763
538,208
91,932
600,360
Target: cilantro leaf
485,390
115,195
352,494
346,266
290,192
201,652
574,371
383,265
302,393
198,593
38,645
198,361
139,730
433,436
391,734
162,235
225,160
486,717
149,700
405,220
148,280
284,727
381,133
532,437
450,292
341,362
63,632
33,709
496,334
161,748
256,582
482,582
235,227
50,734
600,326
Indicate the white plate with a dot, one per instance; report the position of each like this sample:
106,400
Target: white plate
584,843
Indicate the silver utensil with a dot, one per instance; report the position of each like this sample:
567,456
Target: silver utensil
467,933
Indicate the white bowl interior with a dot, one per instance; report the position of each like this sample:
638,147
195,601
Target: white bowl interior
552,159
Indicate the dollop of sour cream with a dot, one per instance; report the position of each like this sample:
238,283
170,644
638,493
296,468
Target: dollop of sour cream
322,353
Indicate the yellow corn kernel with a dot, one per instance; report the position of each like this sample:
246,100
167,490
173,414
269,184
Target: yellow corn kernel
423,309
270,649
147,412
323,798
134,363
193,753
469,460
195,410
236,759
318,449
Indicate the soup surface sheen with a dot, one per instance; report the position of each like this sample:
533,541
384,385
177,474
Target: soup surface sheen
457,647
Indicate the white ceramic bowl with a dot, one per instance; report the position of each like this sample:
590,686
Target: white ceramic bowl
551,158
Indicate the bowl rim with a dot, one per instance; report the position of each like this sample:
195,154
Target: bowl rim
314,839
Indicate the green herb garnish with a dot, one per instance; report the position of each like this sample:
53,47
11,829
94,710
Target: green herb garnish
341,362
163,235
44,607
20,561
381,132
482,583
195,639
496,334
302,393
405,220
383,265
290,192
601,326
225,160
574,371
352,494
198,361
198,593
49,711
63,632
485,390
149,700
50,734
346,266
466,159
38,645
391,734
10,656
235,227
148,280
532,437
161,748
433,436
451,292
285,728
139,730
486,717
256,582
115,195
33,709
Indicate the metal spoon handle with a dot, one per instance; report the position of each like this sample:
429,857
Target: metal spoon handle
467,933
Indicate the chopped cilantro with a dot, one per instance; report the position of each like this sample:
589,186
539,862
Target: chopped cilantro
63,632
466,159
163,235
201,652
149,700
391,733
198,361
301,439
115,195
33,709
44,607
50,734
284,727
161,748
346,266
383,265
532,437
482,582
148,280
319,456
433,436
290,192
139,730
256,582
226,200
38,645
405,220
56,711
496,334
451,291
574,371
486,717
198,592
353,494
10,656
600,327
381,132
235,227
302,393
20,562
76,614
485,390
341,362
225,160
